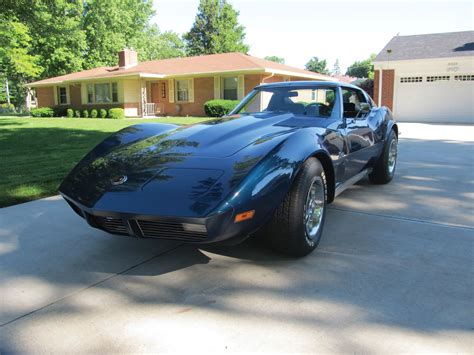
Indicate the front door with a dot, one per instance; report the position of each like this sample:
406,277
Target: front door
159,95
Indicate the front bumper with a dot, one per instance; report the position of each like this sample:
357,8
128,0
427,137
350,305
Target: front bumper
209,229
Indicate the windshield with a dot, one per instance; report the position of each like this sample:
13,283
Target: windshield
312,102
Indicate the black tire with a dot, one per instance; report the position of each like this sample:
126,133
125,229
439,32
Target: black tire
383,170
286,232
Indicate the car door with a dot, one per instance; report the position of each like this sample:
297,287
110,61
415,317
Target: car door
359,136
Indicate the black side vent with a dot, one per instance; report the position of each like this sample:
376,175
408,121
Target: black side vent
112,225
186,232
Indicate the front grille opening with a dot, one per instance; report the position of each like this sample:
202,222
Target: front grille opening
187,232
112,225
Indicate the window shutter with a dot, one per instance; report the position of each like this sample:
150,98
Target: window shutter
240,87
217,87
191,90
84,93
171,90
68,94
55,95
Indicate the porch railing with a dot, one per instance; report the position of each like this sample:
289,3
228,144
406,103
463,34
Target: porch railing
152,109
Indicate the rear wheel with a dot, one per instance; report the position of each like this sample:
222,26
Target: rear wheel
384,169
297,224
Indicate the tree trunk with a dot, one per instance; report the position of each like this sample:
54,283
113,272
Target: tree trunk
7,91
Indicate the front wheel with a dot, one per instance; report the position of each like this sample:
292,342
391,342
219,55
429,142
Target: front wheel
384,169
297,224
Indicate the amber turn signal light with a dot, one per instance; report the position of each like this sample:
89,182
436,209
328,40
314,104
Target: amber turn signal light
244,216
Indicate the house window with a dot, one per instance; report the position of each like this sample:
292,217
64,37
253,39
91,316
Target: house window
102,93
229,88
62,95
411,79
163,90
90,93
114,92
182,90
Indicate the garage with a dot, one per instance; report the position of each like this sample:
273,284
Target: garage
427,78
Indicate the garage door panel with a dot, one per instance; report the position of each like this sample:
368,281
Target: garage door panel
436,101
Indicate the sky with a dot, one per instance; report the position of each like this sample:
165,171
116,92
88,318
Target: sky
346,30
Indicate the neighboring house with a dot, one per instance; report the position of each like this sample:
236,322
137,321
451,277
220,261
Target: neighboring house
344,78
427,78
178,86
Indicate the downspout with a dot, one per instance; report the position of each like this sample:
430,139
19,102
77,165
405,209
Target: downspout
379,103
268,77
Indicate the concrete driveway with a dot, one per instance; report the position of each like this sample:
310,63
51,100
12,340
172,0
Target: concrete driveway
394,273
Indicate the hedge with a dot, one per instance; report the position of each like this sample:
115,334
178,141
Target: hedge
219,108
116,113
70,113
94,113
103,113
85,114
77,113
42,112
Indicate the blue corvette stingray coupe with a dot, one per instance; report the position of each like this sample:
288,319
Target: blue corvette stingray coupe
268,168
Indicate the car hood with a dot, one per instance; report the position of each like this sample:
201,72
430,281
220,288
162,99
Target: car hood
217,138
183,171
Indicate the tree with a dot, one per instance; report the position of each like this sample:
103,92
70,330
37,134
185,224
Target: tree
110,26
215,30
362,69
336,69
17,65
317,66
57,38
275,59
152,44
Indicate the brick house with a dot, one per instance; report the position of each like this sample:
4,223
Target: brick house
178,86
427,78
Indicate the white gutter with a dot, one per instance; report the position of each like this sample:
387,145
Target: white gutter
162,76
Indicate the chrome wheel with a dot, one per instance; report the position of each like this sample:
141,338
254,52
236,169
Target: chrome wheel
314,209
392,155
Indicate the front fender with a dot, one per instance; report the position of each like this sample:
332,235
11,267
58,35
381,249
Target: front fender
267,184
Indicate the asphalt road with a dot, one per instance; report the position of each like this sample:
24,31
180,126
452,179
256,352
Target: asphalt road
393,273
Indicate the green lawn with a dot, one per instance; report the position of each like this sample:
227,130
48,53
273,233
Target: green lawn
37,153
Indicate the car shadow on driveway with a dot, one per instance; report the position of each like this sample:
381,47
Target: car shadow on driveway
385,266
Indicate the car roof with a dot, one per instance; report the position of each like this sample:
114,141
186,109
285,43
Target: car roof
300,84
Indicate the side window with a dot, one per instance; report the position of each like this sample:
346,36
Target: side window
351,100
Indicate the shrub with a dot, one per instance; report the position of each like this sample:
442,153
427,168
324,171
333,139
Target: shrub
42,112
116,113
59,111
219,108
7,108
85,114
77,113
70,113
94,113
103,113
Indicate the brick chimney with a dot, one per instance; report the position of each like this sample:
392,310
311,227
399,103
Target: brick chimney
127,58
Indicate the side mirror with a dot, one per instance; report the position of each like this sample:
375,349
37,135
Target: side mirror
364,108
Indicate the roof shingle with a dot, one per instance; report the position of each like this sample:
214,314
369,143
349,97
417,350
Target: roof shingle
215,63
435,45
